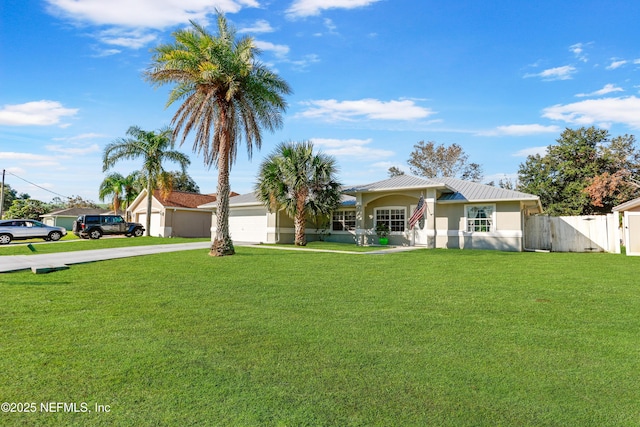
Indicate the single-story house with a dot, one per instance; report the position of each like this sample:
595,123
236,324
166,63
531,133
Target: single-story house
174,215
459,214
66,217
631,225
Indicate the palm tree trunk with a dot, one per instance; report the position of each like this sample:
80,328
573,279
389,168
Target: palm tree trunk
299,221
149,200
222,244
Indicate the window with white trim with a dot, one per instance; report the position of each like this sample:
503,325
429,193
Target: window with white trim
480,218
393,217
343,220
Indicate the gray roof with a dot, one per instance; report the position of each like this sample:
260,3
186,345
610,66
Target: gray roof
454,190
472,191
247,199
251,199
396,182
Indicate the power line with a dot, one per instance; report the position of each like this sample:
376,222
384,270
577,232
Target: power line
36,185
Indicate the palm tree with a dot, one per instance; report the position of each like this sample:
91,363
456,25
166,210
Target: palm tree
112,187
302,183
227,95
154,148
132,186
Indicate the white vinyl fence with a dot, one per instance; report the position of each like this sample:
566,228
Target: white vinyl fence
593,233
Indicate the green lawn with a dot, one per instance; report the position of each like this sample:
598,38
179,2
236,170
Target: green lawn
272,337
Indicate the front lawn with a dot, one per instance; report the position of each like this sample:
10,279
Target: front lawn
271,337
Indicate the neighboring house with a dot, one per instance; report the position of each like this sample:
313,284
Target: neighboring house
631,225
66,217
459,214
176,215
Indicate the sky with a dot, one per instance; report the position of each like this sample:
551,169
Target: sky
370,79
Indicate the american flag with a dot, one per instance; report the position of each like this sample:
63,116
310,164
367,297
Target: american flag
418,212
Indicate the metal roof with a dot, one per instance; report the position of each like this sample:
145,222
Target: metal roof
396,182
472,191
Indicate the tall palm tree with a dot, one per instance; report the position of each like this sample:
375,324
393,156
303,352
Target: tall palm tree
112,187
302,183
153,148
226,95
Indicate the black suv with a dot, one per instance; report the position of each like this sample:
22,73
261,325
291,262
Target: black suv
96,226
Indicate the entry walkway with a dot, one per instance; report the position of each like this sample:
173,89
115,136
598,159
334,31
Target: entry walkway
59,260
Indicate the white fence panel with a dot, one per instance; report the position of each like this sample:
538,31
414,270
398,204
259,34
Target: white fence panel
568,233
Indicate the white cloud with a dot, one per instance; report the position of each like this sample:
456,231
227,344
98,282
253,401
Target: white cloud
531,151
351,148
35,113
134,39
158,14
559,73
279,50
260,26
82,136
372,109
76,151
520,130
302,8
578,51
601,112
616,64
608,88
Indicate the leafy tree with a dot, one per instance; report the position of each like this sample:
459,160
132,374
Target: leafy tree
132,186
181,181
9,196
73,202
27,209
227,95
433,161
154,148
586,172
395,171
301,182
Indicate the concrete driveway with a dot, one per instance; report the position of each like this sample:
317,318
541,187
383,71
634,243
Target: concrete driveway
48,262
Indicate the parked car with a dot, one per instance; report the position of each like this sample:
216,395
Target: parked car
23,229
96,226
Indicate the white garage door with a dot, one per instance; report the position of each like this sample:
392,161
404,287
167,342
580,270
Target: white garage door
155,223
248,225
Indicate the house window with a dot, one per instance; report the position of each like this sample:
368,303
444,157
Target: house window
343,220
480,218
393,217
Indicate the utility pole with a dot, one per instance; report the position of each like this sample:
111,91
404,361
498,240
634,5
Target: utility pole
2,195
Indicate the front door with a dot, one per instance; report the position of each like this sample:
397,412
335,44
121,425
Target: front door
632,232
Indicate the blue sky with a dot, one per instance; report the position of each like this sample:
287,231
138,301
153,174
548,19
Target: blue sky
371,78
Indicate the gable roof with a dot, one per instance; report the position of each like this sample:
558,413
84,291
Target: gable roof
627,205
251,199
182,199
474,192
400,182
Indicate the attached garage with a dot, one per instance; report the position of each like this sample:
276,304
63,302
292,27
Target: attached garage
248,225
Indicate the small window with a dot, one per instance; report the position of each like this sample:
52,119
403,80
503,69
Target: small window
393,217
480,218
343,221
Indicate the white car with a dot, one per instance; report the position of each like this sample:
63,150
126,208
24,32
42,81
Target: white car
23,229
